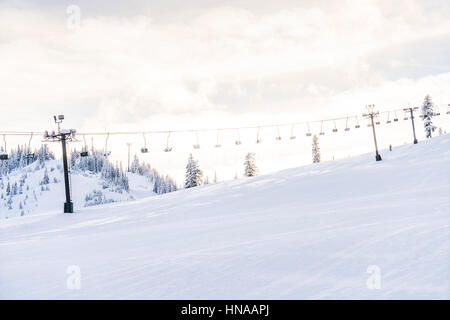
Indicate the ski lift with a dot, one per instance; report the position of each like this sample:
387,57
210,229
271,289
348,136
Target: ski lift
30,154
258,139
321,129
168,149
106,153
144,149
238,141
437,113
197,145
388,118
3,153
357,126
395,117
347,128
448,109
218,145
308,130
278,137
335,128
406,116
292,137
377,122
84,152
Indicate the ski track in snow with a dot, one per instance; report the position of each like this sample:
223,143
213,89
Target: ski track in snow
301,233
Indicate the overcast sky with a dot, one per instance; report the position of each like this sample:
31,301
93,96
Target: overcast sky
149,65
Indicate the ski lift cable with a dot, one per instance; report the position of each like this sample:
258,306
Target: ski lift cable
27,133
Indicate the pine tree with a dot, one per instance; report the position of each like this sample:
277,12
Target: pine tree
315,149
193,173
135,164
46,179
250,169
427,115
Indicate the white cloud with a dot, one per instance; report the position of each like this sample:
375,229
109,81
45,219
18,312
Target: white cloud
164,71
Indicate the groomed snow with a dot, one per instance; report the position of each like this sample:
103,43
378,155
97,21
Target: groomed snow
302,233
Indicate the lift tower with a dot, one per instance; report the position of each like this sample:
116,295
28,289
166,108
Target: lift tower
63,136
371,114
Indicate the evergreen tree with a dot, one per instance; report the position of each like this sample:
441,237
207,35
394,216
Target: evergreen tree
315,149
193,173
427,115
46,179
135,165
250,169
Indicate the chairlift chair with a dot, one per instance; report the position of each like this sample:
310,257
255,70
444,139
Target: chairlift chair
197,144
357,126
106,153
30,154
335,128
347,128
84,152
278,137
388,118
308,130
448,110
218,145
258,139
395,117
292,136
3,153
238,141
167,148
321,133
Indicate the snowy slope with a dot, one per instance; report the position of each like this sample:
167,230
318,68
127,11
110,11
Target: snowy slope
302,233
35,200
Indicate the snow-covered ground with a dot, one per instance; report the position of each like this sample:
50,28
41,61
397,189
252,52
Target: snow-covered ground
302,233
36,199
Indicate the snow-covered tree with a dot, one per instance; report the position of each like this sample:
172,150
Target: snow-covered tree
427,115
250,169
46,179
135,165
193,173
315,149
